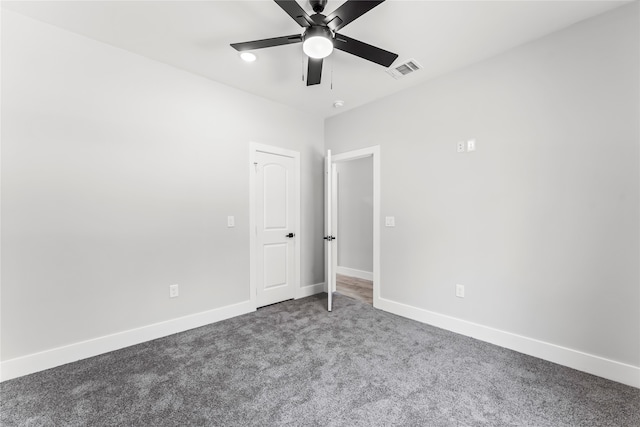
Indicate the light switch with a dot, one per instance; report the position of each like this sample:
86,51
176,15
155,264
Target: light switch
231,221
471,145
390,221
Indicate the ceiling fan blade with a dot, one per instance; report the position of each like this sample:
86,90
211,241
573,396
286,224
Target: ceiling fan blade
260,44
314,71
348,12
364,51
294,10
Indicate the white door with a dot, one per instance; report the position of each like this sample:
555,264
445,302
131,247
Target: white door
276,202
330,185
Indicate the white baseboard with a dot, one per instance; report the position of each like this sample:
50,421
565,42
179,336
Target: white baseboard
352,272
47,359
589,363
307,291
595,365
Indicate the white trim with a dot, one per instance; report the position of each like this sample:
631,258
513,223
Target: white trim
355,154
359,154
352,272
307,291
48,359
592,364
255,147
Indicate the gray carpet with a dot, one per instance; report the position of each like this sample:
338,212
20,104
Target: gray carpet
295,364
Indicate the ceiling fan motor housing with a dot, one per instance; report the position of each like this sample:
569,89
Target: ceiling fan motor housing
318,31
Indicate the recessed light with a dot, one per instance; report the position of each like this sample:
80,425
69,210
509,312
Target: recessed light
248,56
339,103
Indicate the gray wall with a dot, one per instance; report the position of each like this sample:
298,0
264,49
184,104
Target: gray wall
355,214
541,223
118,173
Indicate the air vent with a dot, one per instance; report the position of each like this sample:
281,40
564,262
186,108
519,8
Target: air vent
404,69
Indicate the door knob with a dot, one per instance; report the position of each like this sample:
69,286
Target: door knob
290,235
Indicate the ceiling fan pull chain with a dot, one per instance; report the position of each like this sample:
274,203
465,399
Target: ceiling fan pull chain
331,75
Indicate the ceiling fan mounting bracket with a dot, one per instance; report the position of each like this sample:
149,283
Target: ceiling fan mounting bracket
318,5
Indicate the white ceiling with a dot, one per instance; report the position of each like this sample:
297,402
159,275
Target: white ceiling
195,35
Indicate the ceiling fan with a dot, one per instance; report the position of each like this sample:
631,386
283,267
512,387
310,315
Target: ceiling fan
320,35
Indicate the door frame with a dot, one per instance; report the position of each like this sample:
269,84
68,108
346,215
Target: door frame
254,148
359,154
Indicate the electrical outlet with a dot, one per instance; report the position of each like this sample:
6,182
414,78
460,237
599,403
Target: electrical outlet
173,291
460,291
460,147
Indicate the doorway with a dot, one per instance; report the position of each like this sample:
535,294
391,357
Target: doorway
355,263
354,188
274,224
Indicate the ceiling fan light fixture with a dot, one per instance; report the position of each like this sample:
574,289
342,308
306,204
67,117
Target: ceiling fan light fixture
318,42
